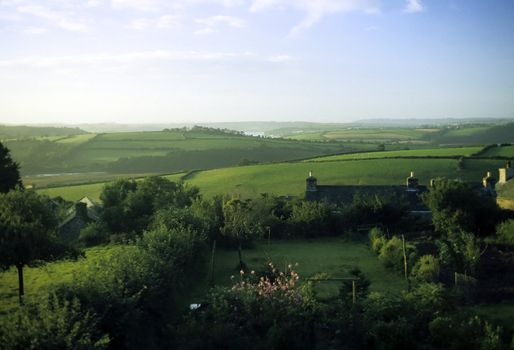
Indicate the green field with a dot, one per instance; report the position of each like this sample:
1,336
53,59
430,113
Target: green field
76,139
365,134
289,178
434,152
76,192
503,151
332,256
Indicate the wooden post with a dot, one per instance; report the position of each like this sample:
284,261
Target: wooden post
405,266
212,261
21,289
455,277
269,235
354,292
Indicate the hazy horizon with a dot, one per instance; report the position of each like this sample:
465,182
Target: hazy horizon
204,61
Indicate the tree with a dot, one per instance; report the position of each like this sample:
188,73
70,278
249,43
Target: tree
456,207
27,231
237,226
9,171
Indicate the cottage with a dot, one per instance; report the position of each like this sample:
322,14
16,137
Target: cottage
344,194
79,216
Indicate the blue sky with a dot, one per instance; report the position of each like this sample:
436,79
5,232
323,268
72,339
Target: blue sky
142,61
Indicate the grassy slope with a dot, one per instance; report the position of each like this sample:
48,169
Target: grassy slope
39,280
435,152
504,151
289,178
333,256
76,192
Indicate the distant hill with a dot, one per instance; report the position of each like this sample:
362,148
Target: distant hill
23,132
479,134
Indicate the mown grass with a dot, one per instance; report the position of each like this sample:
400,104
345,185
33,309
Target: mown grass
333,256
433,152
39,280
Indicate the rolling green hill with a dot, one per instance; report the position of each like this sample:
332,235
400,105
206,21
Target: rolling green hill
289,178
162,151
8,132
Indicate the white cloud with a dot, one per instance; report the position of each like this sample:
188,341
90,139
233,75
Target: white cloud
280,58
134,58
316,9
414,6
210,24
162,22
60,19
35,30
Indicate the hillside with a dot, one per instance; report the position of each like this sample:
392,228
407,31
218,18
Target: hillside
480,134
289,178
166,151
21,132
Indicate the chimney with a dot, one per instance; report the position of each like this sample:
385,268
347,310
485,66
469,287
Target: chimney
81,210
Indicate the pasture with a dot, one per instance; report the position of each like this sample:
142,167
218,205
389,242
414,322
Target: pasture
502,151
432,152
288,178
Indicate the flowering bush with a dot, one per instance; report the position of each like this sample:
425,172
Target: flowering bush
268,310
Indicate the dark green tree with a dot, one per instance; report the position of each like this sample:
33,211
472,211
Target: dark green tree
456,207
9,171
27,231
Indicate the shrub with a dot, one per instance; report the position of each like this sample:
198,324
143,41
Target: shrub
460,332
505,232
391,254
93,234
51,324
376,239
258,312
426,269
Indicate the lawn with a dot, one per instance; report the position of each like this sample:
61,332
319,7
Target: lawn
76,139
39,280
333,256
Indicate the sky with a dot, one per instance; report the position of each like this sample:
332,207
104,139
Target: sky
177,61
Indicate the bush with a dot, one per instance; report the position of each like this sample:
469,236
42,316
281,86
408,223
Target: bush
259,312
462,333
51,324
93,234
376,239
505,232
426,269
391,254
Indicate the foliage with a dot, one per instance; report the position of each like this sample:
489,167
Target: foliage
93,234
377,240
27,229
51,324
9,171
456,207
134,290
129,205
505,232
391,254
258,312
312,219
462,332
461,252
373,209
426,269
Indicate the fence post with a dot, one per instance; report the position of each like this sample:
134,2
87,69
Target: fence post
212,261
354,292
